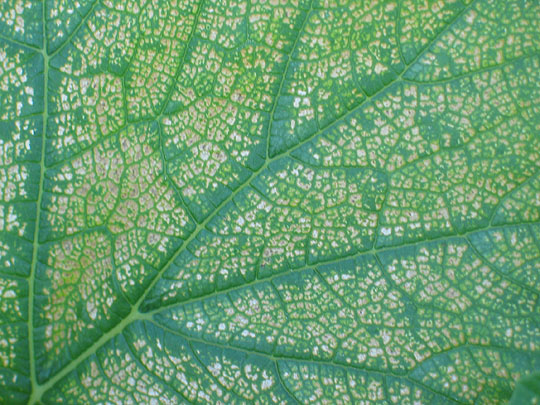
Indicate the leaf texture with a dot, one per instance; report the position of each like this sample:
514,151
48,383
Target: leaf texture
308,201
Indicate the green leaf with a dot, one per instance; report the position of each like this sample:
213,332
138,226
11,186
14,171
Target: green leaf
209,201
527,390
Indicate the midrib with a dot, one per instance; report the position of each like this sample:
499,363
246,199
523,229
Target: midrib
31,282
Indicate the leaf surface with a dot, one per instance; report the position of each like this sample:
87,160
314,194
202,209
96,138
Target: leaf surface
209,201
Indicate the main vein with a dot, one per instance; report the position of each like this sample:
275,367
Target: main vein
33,267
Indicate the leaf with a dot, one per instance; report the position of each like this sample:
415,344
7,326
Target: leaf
269,202
527,390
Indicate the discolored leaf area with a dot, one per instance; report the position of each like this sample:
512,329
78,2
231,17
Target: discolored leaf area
293,201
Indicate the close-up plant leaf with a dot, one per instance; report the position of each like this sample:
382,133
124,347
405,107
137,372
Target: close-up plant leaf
269,201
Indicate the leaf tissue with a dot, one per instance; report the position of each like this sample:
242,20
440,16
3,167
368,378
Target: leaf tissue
269,201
